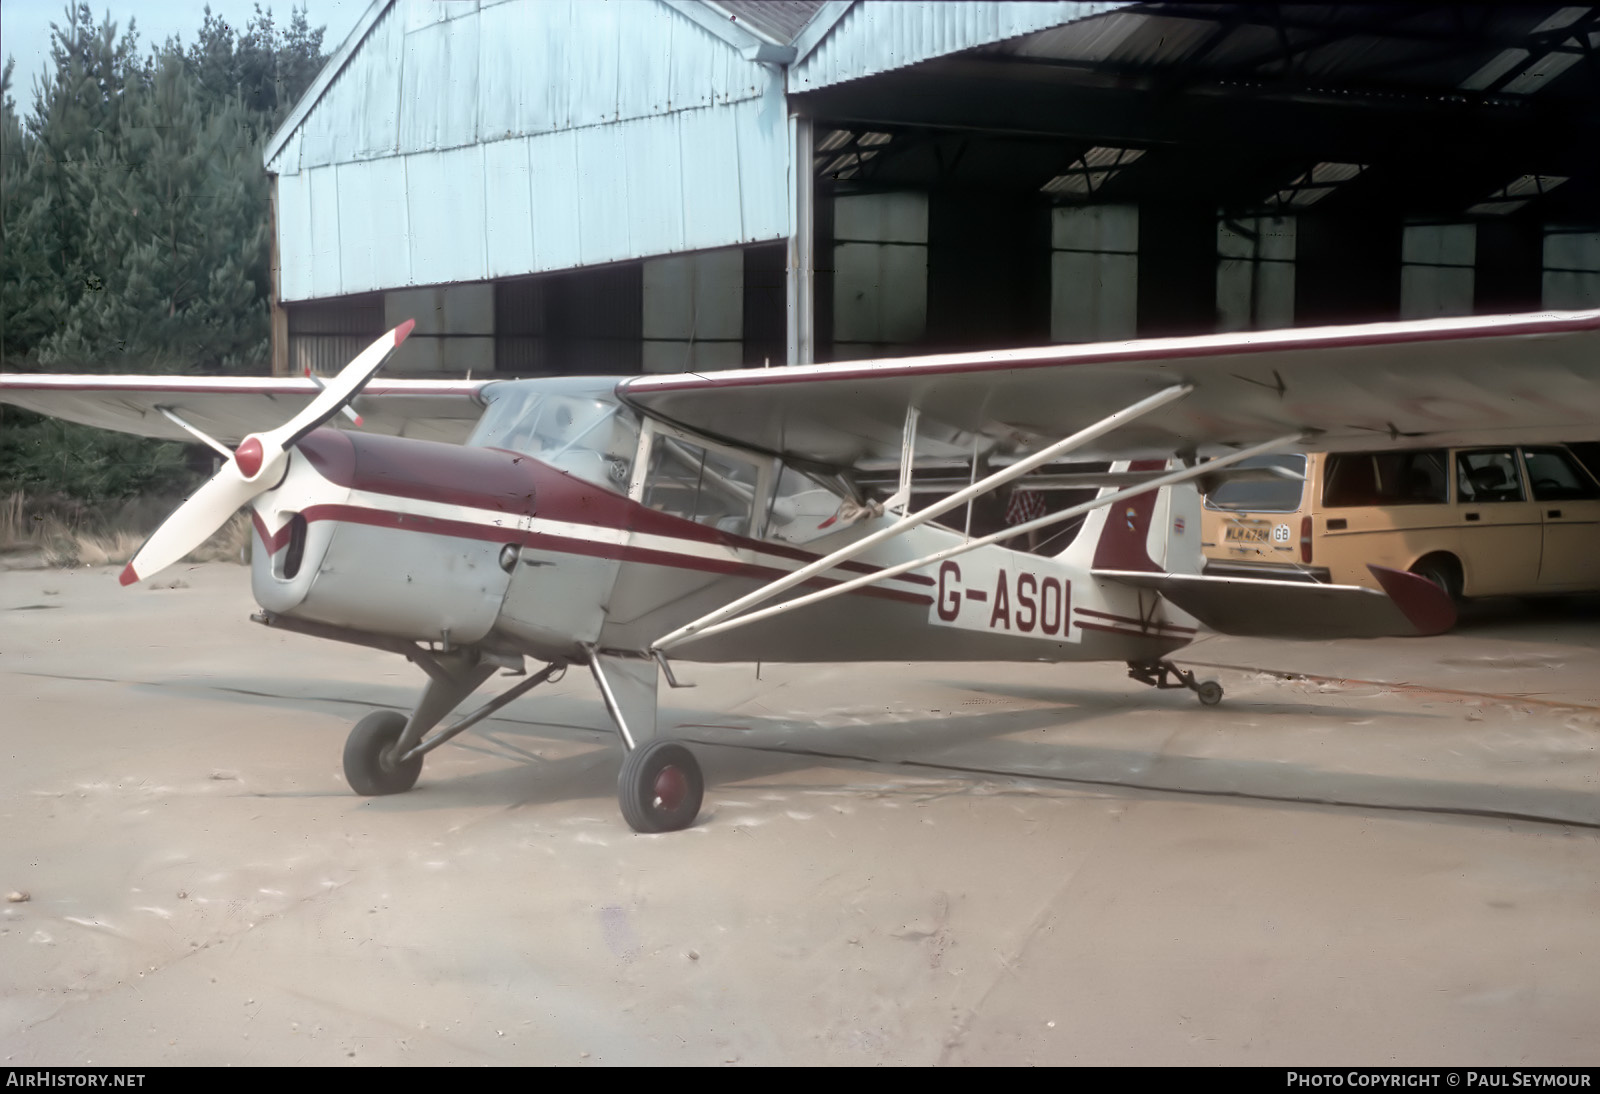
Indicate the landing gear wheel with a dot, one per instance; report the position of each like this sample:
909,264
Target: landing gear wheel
365,767
660,787
1209,693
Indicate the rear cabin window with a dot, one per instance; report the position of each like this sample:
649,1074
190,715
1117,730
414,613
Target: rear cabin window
1386,478
1278,495
1488,476
801,509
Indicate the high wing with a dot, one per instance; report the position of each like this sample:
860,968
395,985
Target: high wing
229,408
1528,378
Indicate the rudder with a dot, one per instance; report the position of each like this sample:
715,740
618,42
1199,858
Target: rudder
1153,532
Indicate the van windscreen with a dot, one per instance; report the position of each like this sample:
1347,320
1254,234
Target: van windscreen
1386,478
1266,495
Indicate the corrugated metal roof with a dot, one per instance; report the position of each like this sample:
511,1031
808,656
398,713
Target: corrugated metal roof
779,20
421,82
890,34
1509,50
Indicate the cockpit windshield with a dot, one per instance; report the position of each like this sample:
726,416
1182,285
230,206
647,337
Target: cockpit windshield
574,425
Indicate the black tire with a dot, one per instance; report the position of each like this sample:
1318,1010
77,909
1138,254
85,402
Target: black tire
364,766
660,787
1443,572
1209,692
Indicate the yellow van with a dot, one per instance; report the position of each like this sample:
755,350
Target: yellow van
1479,521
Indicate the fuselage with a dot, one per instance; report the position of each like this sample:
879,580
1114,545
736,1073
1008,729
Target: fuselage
607,532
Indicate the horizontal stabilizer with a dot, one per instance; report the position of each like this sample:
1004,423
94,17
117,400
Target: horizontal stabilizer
1408,604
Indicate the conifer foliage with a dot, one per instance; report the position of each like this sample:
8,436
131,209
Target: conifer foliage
134,214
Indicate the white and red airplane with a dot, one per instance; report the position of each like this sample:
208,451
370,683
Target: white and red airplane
623,524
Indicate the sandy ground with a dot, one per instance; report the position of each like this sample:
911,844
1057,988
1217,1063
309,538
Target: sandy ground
1394,861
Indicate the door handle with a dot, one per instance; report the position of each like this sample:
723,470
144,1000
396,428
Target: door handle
1472,516
1553,513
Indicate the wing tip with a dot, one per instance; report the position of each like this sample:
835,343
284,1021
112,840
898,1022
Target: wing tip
1428,607
403,331
128,576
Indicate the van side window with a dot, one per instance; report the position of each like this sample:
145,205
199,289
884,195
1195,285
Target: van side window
1556,477
1488,477
1386,478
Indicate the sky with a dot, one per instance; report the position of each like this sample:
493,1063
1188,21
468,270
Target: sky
25,26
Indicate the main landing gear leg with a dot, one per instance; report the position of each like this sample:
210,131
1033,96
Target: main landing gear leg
1159,674
383,754
660,787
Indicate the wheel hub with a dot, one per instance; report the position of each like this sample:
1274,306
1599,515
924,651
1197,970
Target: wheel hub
671,787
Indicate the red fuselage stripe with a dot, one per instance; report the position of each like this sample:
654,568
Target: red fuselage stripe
503,481
407,522
1124,631
1136,622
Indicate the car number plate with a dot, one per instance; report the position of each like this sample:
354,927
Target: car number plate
1248,533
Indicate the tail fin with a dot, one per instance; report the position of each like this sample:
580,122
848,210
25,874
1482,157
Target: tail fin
1154,532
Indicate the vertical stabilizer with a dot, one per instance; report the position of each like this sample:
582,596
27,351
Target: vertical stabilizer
1155,532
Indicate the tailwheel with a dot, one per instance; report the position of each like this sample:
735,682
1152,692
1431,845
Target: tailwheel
1164,674
369,764
660,787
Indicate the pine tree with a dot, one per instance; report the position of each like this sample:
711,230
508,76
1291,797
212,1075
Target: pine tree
30,295
178,240
134,218
63,156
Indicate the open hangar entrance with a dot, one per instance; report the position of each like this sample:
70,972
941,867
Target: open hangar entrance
1183,169
1177,169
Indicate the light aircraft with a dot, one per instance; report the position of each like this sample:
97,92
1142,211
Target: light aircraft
628,524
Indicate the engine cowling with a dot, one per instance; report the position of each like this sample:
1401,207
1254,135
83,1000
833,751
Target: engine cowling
391,535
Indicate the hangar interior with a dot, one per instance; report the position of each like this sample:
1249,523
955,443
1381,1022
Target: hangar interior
768,182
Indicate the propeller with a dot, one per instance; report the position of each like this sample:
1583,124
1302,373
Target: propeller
255,466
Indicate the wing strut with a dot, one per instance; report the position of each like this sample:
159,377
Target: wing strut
922,516
1172,477
204,438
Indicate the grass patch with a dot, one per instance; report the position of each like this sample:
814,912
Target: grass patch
69,533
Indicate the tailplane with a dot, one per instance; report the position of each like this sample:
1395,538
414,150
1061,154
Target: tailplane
1151,541
1408,605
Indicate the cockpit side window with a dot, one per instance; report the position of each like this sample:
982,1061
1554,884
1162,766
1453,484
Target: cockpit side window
706,485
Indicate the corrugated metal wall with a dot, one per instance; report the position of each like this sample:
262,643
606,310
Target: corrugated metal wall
889,34
467,142
323,337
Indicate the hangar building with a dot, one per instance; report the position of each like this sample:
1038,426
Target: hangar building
611,186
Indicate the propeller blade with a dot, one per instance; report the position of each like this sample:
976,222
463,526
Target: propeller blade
192,523
253,468
337,392
347,410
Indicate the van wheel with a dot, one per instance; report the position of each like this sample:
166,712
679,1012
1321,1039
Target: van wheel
1443,572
